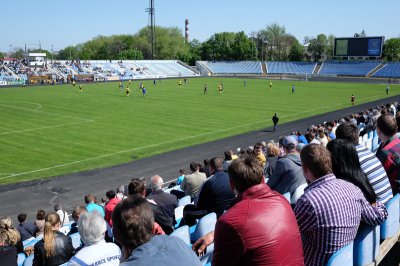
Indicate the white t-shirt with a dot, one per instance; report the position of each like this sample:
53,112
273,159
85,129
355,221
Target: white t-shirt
102,253
62,213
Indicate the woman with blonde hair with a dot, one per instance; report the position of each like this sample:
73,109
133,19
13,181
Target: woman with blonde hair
273,153
55,248
11,235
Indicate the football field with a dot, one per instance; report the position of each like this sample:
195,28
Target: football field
55,130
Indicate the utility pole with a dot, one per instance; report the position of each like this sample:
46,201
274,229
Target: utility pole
152,28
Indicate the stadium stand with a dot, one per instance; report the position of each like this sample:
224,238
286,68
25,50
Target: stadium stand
348,68
389,70
290,67
366,248
240,67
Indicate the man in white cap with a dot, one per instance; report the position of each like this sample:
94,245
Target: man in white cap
288,174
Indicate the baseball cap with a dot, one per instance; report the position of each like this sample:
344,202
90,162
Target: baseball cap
289,140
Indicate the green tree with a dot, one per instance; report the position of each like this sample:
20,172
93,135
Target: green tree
274,37
219,47
195,47
317,46
2,55
242,47
330,46
296,52
18,53
391,49
68,53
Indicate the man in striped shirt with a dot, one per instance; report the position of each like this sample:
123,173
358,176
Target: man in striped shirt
370,164
330,211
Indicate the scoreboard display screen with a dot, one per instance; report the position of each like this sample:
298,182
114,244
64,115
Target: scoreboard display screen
361,46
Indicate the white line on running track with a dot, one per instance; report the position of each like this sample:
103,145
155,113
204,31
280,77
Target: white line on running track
155,145
39,128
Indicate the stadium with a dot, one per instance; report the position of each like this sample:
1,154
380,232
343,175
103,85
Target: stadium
82,126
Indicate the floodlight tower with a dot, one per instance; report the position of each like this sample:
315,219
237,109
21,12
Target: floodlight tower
152,28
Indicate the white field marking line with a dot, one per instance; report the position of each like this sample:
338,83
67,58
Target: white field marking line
39,128
40,111
37,104
155,145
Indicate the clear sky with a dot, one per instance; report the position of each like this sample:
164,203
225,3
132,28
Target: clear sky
61,23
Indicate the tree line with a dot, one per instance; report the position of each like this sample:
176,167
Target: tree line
272,43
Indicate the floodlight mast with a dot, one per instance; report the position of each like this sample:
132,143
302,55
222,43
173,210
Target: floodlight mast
152,28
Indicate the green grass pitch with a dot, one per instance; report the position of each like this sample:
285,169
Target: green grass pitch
54,130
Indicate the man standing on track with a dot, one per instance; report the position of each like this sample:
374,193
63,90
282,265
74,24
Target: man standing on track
275,120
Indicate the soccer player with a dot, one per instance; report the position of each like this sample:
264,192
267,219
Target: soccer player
245,82
129,82
293,89
353,99
80,88
127,91
144,91
220,88
270,85
73,83
387,89
180,83
205,89
154,82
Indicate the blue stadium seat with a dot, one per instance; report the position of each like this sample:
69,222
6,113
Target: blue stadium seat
375,143
342,257
366,245
287,196
348,68
28,261
206,259
298,193
76,240
390,70
182,233
204,226
276,67
184,201
21,259
390,227
239,67
33,241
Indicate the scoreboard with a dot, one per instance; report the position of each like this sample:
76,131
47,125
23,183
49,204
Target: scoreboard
359,46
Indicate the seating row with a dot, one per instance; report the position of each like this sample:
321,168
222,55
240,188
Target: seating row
348,68
366,248
390,70
290,67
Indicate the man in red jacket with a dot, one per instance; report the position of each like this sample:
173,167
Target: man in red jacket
260,228
109,208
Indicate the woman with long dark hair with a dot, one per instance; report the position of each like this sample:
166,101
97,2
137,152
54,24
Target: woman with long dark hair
346,166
